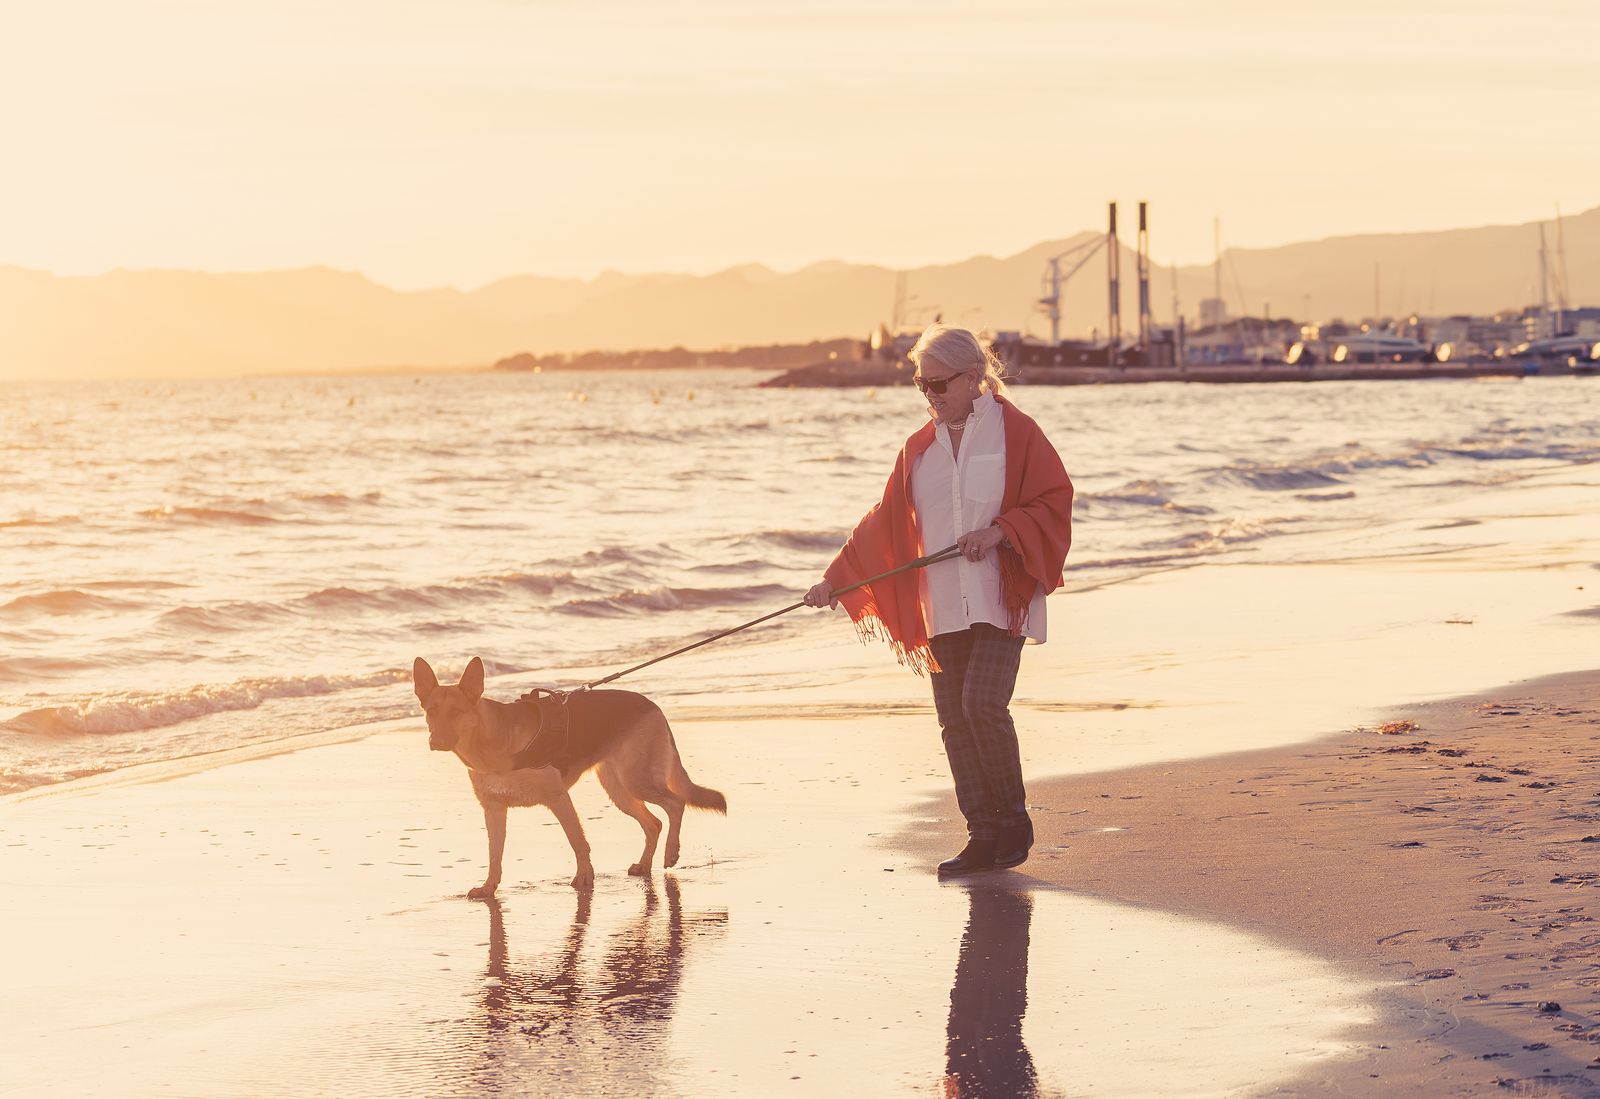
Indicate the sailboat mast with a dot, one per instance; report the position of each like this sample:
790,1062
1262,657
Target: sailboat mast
1561,276
1544,287
1216,268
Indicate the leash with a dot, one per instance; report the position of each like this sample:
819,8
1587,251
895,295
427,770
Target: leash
919,563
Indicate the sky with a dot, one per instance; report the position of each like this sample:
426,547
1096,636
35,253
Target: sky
453,142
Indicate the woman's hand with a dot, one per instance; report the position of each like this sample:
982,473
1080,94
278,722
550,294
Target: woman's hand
976,544
822,596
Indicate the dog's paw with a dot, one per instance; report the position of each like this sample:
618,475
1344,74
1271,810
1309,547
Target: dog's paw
481,892
640,870
584,881
672,857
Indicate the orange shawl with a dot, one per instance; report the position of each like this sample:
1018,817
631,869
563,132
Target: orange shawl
1035,513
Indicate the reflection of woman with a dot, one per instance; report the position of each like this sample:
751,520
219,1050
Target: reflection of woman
984,1051
982,475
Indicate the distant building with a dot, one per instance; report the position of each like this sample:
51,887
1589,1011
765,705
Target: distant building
1241,340
1456,330
1583,321
1213,311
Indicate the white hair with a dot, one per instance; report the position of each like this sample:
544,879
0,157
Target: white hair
960,350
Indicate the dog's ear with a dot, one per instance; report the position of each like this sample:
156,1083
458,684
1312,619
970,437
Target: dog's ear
423,679
472,680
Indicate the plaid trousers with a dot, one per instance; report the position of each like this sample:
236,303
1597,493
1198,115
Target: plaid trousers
972,695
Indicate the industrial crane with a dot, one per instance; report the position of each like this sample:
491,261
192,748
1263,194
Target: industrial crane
1052,282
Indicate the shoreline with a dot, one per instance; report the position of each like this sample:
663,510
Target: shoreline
1454,865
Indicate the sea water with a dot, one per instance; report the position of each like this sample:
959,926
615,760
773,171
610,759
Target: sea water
191,566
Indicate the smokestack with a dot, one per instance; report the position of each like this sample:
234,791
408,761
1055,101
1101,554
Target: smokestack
1144,279
1114,281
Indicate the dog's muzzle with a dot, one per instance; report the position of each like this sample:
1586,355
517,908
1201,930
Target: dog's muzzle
439,744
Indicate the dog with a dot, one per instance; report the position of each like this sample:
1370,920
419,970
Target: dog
622,736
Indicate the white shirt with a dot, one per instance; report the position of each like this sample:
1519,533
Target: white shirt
956,494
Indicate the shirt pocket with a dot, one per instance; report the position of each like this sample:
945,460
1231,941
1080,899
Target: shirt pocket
984,478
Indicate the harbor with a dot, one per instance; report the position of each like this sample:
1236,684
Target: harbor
1550,337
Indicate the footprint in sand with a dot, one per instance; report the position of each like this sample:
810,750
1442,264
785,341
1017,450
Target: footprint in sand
1470,940
1497,902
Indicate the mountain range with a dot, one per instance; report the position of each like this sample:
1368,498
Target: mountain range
164,323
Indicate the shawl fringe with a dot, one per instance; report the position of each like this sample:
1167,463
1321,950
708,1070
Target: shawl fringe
919,658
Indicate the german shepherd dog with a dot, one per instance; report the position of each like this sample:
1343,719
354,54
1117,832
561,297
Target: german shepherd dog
623,736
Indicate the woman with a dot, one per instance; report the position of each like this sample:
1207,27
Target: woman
983,476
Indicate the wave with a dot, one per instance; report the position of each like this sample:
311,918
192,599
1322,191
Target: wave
432,597
1229,532
1137,561
613,555
67,601
134,712
1332,470
208,515
1285,478
338,499
54,521
134,585
673,599
20,669
224,616
1565,452
810,541
438,596
1136,495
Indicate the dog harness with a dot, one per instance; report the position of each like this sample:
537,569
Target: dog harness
546,710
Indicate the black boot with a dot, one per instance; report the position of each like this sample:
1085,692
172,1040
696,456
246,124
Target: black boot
1011,848
977,855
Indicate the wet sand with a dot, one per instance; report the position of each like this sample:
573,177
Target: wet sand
294,924
1455,863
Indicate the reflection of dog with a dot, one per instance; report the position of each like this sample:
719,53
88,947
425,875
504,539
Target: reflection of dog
587,1017
623,735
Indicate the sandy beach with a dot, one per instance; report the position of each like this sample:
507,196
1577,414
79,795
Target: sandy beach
1224,899
1452,861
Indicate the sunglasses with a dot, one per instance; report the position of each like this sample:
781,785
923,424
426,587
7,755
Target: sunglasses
934,385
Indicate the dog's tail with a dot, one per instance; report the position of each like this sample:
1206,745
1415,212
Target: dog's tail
697,797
